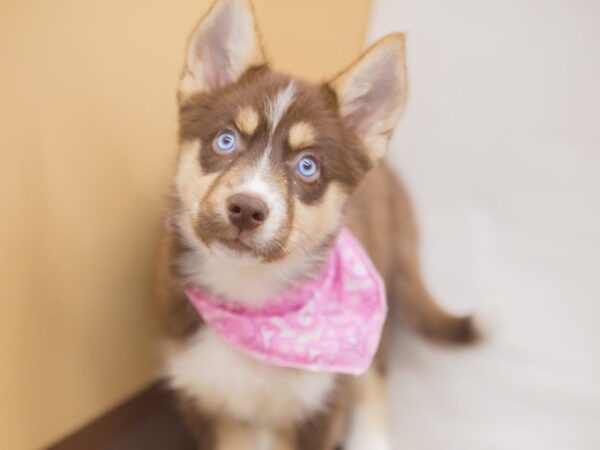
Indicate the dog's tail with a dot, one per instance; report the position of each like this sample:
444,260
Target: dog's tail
407,294
412,303
384,205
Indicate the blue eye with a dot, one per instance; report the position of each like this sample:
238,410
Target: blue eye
307,167
225,142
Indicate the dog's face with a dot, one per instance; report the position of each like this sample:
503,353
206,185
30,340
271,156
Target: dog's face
268,161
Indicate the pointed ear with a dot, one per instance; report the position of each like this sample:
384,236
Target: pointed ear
372,93
224,45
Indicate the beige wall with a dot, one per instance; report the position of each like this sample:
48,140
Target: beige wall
87,137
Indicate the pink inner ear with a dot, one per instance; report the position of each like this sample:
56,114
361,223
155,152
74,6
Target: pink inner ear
213,66
211,49
223,45
382,97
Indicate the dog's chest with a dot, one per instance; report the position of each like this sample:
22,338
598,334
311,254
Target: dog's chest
222,379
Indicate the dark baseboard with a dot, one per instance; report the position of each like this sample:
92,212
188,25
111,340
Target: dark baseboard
147,421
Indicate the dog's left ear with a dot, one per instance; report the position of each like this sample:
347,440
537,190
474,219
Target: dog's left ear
372,93
223,46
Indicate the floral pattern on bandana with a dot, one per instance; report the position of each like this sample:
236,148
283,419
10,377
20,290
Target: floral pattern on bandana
330,324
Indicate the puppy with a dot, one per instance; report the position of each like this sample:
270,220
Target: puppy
270,169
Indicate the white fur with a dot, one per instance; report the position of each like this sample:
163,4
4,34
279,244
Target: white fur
233,275
265,440
225,380
258,178
243,278
247,279
363,435
277,107
220,377
257,183
369,428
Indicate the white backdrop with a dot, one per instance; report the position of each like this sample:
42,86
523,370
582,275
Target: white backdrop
500,147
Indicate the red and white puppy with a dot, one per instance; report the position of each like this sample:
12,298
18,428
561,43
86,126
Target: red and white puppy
270,167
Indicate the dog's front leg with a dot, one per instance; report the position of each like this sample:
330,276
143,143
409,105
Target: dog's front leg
219,433
202,426
233,435
323,431
368,421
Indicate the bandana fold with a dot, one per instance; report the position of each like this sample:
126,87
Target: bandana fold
330,324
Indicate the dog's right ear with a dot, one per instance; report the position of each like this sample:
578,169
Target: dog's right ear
224,45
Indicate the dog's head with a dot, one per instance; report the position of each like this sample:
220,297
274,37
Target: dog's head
268,161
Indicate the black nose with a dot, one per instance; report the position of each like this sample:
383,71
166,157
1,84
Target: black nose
246,212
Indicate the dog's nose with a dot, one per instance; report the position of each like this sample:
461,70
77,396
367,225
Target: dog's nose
246,212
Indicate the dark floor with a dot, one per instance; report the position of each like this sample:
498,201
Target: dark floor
148,421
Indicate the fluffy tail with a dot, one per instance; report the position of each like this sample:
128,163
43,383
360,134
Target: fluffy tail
414,304
385,223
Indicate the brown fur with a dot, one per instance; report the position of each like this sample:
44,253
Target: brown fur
320,122
178,319
324,430
380,214
341,155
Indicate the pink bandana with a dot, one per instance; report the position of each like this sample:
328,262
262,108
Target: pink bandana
331,324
